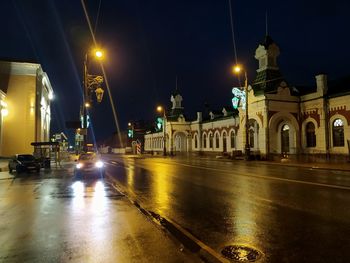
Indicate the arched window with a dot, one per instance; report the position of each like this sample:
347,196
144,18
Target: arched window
338,133
251,138
310,135
233,140
224,142
211,140
285,138
195,142
217,141
204,141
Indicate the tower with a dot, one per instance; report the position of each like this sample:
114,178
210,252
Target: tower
176,100
268,76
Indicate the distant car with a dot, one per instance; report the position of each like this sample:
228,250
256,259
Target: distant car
89,165
24,163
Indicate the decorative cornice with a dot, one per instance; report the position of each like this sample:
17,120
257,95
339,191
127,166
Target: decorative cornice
19,68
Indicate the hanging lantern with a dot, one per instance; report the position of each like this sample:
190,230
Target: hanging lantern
99,94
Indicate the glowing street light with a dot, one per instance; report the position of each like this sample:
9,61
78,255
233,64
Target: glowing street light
98,54
237,69
92,83
161,109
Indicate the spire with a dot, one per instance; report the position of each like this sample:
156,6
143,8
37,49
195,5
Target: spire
176,92
266,25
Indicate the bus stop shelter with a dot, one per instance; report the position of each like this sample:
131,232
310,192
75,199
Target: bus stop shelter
45,152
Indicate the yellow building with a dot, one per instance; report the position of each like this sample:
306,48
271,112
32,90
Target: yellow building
25,107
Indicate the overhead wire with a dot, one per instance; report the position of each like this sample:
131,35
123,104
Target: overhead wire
104,75
233,39
97,16
233,33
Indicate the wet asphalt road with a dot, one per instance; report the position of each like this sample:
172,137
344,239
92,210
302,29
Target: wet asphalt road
48,218
290,214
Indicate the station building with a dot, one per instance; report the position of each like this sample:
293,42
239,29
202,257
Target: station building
309,122
25,92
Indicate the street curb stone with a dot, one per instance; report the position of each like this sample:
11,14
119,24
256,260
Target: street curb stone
183,236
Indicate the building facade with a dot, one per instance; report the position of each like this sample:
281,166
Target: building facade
25,101
309,122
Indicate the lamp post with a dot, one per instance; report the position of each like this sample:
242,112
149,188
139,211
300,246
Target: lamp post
162,109
237,69
91,84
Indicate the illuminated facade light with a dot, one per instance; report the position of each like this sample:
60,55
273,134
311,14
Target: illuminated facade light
4,112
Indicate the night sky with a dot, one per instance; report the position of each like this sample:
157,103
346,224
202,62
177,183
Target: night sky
150,42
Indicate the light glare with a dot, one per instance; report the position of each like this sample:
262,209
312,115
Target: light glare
99,53
99,164
4,112
78,188
237,69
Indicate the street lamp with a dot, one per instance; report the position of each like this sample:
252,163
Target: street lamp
92,83
237,70
161,109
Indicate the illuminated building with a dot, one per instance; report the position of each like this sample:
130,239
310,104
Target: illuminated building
285,121
25,99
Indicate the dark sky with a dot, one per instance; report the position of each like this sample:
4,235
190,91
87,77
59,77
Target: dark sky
149,42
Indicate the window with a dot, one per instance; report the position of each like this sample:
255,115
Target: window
233,140
338,133
217,141
211,141
285,138
310,135
251,138
224,143
204,141
195,142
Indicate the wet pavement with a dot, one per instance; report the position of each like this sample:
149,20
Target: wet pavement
51,218
288,214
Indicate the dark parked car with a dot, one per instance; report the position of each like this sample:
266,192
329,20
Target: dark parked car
24,162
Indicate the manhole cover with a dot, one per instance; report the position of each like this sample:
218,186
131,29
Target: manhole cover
241,253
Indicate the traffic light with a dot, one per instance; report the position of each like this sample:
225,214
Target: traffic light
130,130
159,123
130,133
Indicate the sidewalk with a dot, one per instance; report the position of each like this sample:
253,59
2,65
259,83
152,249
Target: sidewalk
313,165
336,166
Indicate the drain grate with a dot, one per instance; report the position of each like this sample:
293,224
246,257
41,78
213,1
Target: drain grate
241,253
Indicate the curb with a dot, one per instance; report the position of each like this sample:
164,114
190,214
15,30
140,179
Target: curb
291,164
306,166
189,241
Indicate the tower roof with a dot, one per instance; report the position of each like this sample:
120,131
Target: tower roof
175,92
267,41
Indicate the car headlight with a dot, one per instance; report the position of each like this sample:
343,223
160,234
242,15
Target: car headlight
79,165
99,164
